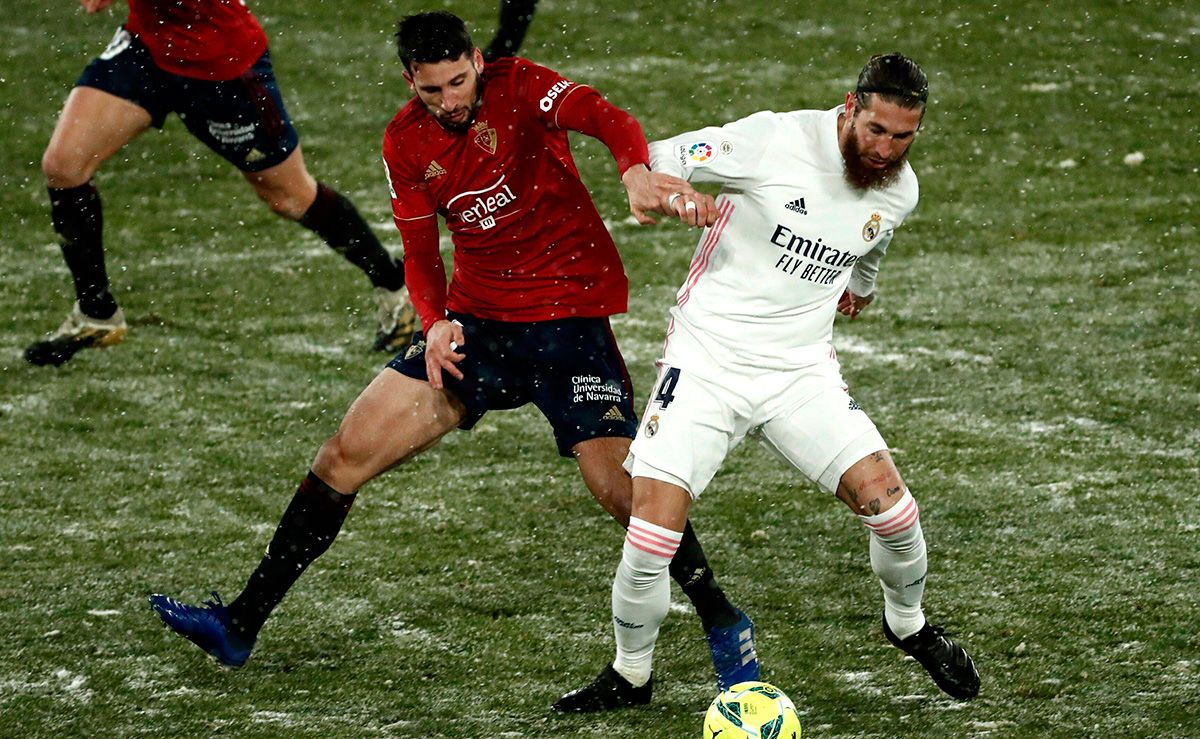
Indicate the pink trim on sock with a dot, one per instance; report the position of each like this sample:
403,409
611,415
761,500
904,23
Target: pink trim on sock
652,542
899,519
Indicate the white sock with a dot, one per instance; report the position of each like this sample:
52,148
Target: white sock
898,559
641,595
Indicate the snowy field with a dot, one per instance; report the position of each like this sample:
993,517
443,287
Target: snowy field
1033,358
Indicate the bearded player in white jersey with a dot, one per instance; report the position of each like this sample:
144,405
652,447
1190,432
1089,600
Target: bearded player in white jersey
808,204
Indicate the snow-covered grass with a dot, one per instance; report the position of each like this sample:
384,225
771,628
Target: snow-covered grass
1032,359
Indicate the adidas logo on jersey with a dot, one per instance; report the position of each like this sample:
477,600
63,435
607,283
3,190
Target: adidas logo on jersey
797,205
614,414
434,170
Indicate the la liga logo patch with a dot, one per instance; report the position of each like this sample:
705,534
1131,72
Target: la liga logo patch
700,152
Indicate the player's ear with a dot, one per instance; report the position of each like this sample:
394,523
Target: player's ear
477,59
851,104
408,78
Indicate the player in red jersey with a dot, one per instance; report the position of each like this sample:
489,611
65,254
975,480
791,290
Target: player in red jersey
207,61
525,319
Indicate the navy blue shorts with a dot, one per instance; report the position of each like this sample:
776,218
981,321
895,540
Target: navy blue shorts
242,119
570,369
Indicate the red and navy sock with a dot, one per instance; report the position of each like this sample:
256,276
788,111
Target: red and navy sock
335,219
690,569
309,525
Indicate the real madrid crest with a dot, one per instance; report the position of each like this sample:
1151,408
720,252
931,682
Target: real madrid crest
652,425
871,229
485,137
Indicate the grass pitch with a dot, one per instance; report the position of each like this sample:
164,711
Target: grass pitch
1032,359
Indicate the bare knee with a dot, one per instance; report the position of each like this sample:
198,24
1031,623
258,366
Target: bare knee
64,169
872,485
287,189
283,203
341,463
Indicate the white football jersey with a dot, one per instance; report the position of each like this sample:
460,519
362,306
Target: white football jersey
792,235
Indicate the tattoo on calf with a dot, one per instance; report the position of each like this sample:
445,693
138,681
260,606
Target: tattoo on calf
874,505
893,491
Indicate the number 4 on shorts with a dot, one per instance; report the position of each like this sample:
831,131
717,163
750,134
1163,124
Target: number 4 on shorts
666,389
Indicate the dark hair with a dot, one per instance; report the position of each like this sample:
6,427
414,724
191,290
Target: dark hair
432,37
895,78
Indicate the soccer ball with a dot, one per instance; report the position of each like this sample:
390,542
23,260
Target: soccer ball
752,709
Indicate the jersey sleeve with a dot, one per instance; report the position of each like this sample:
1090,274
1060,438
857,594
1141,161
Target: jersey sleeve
866,269
415,215
563,104
424,270
411,199
729,154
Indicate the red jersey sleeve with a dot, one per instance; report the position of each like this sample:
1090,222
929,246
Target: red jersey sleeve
424,270
560,103
415,215
591,114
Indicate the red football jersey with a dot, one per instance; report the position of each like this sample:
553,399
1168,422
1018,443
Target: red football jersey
528,242
203,39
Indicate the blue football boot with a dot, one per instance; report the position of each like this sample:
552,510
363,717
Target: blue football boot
206,626
733,655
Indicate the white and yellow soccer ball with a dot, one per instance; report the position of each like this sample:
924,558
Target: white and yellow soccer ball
752,709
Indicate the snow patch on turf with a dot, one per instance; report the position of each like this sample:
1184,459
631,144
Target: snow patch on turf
62,684
859,347
860,680
303,345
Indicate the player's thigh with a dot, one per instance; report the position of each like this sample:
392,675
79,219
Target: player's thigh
243,120
825,433
392,420
601,463
93,126
689,427
117,96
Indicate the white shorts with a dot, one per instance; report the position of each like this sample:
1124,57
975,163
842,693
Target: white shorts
694,418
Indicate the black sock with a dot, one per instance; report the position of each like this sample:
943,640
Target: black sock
307,528
690,569
335,219
515,17
79,221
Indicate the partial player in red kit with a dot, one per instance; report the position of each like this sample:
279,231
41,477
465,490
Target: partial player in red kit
206,61
525,318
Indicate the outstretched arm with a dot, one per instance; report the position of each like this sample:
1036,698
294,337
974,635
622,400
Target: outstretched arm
95,6
663,193
649,192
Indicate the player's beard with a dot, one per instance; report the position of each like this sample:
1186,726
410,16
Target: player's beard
862,176
465,125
